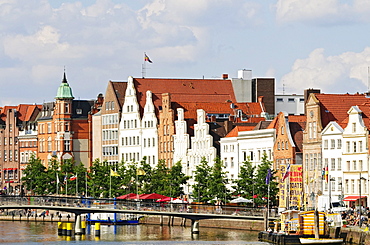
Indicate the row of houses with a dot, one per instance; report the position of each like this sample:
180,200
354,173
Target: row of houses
320,139
167,119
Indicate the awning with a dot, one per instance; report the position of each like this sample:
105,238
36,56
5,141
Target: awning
353,198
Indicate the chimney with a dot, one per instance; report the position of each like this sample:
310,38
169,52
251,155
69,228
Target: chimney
225,76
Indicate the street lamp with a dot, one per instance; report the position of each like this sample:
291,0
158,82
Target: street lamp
330,183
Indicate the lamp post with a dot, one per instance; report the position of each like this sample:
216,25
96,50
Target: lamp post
360,202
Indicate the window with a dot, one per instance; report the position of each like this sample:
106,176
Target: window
225,162
325,144
354,165
279,100
67,145
79,111
360,146
286,145
282,129
290,99
332,145
348,165
310,130
354,146
49,128
339,165
332,183
314,129
66,108
348,144
352,186
232,162
278,146
339,144
332,168
360,163
353,127
340,184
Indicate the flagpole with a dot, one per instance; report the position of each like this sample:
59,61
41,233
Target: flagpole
66,184
76,185
86,184
57,184
110,184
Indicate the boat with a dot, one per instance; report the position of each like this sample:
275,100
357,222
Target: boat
302,227
113,219
334,241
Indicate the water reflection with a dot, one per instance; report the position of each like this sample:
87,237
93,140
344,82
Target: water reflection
29,232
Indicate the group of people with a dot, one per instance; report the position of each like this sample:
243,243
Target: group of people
356,216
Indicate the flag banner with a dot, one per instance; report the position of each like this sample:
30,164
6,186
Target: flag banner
147,59
326,174
286,173
57,178
139,171
73,177
268,176
113,173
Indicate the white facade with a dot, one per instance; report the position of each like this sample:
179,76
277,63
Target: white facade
138,137
355,156
201,143
332,162
181,141
250,145
293,104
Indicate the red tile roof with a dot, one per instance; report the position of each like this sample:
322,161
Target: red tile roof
234,132
334,107
184,90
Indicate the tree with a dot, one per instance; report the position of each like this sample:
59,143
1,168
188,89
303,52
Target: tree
202,176
35,177
218,181
99,180
177,180
262,187
245,184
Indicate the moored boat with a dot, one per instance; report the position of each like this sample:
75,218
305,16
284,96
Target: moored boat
333,241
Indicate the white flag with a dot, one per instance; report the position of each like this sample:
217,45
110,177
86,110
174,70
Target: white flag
57,178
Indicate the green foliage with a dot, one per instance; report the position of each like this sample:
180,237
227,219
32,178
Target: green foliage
244,185
202,178
218,181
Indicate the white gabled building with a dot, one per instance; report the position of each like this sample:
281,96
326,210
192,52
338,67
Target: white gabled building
355,159
201,143
181,141
138,137
332,165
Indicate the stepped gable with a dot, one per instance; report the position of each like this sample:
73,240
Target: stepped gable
184,90
119,89
5,110
334,107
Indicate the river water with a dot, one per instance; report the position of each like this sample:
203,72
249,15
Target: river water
47,233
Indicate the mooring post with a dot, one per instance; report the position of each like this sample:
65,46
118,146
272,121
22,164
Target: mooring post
78,227
195,226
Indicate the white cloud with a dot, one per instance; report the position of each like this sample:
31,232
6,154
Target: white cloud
345,72
323,12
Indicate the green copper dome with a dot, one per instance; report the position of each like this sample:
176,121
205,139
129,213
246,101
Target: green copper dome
64,90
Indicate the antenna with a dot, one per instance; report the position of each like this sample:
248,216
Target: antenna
368,79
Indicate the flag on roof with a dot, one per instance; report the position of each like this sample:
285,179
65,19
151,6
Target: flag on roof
147,58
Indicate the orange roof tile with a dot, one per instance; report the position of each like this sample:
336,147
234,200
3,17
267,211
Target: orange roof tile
334,107
184,90
234,132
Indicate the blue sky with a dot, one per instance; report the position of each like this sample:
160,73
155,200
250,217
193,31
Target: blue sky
303,44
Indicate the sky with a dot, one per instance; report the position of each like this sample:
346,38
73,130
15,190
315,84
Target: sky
302,44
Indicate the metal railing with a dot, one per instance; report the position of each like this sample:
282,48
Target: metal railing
127,204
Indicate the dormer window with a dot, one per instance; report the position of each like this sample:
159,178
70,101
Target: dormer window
79,111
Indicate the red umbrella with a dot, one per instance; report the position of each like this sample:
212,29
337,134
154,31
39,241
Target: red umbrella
166,199
126,196
136,196
152,196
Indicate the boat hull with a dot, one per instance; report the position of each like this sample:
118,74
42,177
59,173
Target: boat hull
333,241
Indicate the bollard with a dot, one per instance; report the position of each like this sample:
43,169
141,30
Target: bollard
97,229
64,229
83,227
195,227
69,229
60,228
78,229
